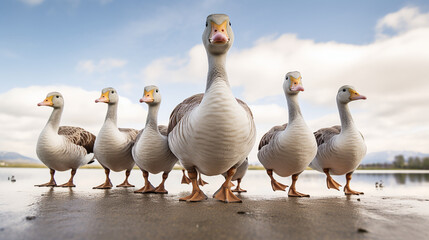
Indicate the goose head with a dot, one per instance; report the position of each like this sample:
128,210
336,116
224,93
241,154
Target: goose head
53,99
151,95
109,96
218,36
347,94
293,83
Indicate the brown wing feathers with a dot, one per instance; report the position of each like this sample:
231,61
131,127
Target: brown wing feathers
324,134
270,134
78,136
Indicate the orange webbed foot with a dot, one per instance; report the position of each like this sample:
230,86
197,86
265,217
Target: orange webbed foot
146,189
196,196
225,194
67,184
348,191
293,193
106,185
278,186
331,183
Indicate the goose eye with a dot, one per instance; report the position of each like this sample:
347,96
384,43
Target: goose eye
344,90
113,91
229,23
58,96
287,78
156,90
207,24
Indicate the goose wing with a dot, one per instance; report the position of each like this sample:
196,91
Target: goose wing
78,136
325,134
271,134
188,105
130,133
163,130
182,109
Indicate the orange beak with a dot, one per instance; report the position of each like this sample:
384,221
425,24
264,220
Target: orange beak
46,102
104,98
355,95
219,33
295,84
147,97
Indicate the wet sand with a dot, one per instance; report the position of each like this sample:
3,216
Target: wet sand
29,212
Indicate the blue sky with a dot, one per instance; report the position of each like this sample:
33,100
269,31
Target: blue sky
89,45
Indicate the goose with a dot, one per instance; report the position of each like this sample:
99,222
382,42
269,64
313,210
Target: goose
113,145
150,151
288,149
212,133
239,174
62,148
340,148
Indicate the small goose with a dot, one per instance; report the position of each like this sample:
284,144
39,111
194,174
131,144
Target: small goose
288,149
340,148
151,152
62,148
213,133
113,145
239,174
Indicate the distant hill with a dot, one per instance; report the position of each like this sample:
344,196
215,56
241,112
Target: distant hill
389,156
13,157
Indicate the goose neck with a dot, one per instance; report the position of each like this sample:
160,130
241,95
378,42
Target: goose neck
217,71
293,107
55,118
345,116
152,117
112,113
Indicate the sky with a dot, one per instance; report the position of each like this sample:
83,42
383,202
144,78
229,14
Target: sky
79,47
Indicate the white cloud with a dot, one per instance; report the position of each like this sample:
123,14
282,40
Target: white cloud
21,121
392,72
102,66
401,21
32,2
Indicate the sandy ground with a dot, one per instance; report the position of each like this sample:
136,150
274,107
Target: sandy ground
57,213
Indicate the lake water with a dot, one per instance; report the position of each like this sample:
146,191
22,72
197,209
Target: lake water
404,194
410,183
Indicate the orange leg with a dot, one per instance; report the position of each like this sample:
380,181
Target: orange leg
238,189
107,184
292,190
330,182
51,182
148,187
161,189
126,184
224,193
70,182
197,195
201,182
274,184
347,189
185,179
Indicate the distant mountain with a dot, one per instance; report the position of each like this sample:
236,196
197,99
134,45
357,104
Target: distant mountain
13,157
389,156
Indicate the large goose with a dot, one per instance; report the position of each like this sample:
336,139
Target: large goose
288,149
340,148
213,133
150,151
62,148
113,145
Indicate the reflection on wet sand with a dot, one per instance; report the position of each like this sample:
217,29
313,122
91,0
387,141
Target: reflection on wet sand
84,213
